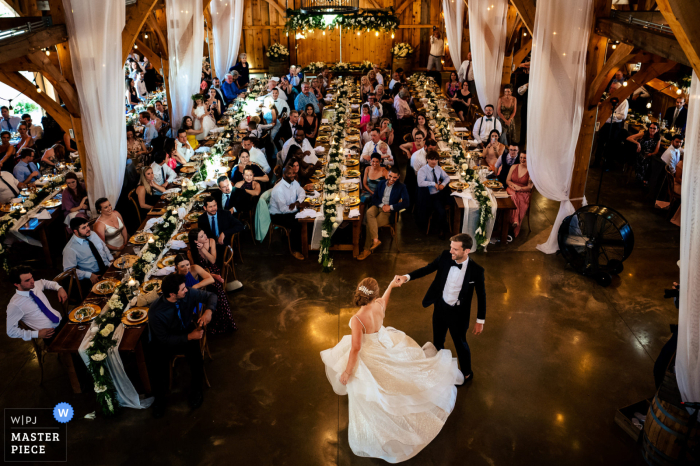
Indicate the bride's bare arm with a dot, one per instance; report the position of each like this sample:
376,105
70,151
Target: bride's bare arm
356,346
387,293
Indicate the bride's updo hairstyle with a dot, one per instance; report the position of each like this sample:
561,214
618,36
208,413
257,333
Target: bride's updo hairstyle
366,292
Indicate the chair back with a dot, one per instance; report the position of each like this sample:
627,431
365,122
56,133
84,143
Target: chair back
670,182
72,275
227,264
134,199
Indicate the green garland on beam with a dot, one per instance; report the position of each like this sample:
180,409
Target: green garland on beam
363,20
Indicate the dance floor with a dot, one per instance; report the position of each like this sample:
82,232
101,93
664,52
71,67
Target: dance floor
558,356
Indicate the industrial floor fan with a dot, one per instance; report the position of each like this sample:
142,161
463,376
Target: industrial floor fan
595,240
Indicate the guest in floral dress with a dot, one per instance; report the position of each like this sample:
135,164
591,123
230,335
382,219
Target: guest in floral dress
648,144
202,251
520,189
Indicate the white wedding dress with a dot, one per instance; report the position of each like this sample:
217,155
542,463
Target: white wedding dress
207,123
399,394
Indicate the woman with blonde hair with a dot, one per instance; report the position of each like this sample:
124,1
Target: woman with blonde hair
372,76
365,88
144,191
395,410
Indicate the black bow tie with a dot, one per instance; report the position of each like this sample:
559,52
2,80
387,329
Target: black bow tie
455,264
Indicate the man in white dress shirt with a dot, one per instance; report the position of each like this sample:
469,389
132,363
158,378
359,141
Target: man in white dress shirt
149,130
35,131
466,73
162,173
418,159
672,155
184,150
372,147
286,199
30,306
87,253
396,79
141,85
378,74
256,155
376,110
300,140
437,50
278,102
273,84
484,125
9,187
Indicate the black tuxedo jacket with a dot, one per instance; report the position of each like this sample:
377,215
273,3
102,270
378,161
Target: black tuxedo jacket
218,195
226,222
680,120
284,133
473,280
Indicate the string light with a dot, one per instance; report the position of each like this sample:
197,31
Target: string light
145,36
392,35
376,33
624,83
614,46
358,33
679,92
525,34
48,52
648,104
136,46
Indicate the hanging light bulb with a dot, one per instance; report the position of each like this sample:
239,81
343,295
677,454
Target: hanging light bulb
614,46
525,34
287,33
679,92
324,32
358,33
376,33
648,104
10,102
48,52
145,36
392,35
38,89
624,84
136,46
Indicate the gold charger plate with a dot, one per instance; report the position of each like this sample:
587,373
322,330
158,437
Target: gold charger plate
352,174
182,236
85,313
319,174
322,139
8,207
127,316
493,184
458,185
350,187
150,285
325,128
313,201
351,162
140,238
50,203
450,169
193,216
351,201
166,261
105,287
201,196
186,169
125,261
160,211
170,196
352,131
311,187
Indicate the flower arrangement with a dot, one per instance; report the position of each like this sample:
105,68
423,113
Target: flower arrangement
366,65
401,50
369,21
277,51
341,66
314,67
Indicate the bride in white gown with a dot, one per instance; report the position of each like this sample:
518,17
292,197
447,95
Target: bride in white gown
399,394
202,119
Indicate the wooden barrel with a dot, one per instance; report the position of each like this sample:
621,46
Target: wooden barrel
666,433
278,68
404,63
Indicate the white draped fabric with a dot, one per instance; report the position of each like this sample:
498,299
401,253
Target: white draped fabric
93,29
227,27
186,49
688,354
454,20
555,105
487,35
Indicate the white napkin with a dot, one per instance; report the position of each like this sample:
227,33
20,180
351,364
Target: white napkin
152,222
454,177
308,213
350,180
311,158
181,212
355,106
473,143
442,145
500,194
201,185
177,244
350,152
43,215
171,190
460,129
164,271
319,149
202,150
463,194
210,183
324,121
354,213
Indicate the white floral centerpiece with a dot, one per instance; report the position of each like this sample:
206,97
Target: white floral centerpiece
277,52
401,50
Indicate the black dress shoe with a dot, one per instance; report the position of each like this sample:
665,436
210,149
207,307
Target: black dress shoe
158,410
196,399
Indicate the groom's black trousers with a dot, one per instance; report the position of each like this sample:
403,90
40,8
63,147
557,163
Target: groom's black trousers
454,319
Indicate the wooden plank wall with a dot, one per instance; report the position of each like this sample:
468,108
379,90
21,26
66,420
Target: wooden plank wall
263,26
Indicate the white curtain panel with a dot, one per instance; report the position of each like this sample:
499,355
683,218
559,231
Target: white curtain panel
454,21
688,354
186,49
93,29
555,105
227,27
487,35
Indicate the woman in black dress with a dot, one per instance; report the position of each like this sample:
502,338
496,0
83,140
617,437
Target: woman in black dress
648,144
309,122
132,96
462,100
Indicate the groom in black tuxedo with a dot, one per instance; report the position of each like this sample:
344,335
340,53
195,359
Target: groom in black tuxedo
451,293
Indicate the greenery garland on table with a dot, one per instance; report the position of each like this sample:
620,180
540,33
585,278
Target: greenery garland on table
364,20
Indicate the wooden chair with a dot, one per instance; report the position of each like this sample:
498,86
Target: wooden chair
72,275
392,229
672,195
40,348
203,347
228,265
236,243
134,199
285,230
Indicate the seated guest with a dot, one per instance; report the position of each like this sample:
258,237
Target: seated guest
453,85
365,117
387,158
373,175
410,148
170,150
256,155
162,173
25,140
505,161
676,117
309,123
148,191
176,329
9,187
520,189
35,131
149,129
160,111
433,179
183,148
87,252
461,101
275,100
224,197
287,128
372,146
25,170
422,126
378,74
493,150
244,161
243,69
7,122
230,87
272,85
485,125
385,98
389,197
7,153
386,131
372,76
188,126
110,226
648,143
305,98
159,124
403,110
247,190
220,225
53,155
74,198
300,140
396,79
216,85
30,306
674,153
365,88
318,90
295,76
135,147
376,111
418,159
302,171
286,200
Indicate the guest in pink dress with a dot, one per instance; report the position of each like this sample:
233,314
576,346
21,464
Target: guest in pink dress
520,188
365,118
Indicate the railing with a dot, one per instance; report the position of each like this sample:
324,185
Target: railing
44,23
630,18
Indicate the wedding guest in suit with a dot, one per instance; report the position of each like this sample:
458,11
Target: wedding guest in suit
30,306
451,293
223,196
287,129
389,197
484,125
176,329
286,199
505,161
219,225
433,197
677,116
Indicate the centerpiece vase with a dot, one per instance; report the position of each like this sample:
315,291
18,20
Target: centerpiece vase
278,66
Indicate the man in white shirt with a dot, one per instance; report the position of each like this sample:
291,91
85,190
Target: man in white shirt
376,111
275,99
466,73
30,306
403,109
9,187
620,113
674,152
378,74
162,173
418,159
141,85
35,131
184,150
256,155
609,133
484,125
300,140
437,50
286,199
272,84
371,147
396,79
149,130
87,253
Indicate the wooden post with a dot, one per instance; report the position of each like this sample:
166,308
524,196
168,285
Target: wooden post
683,17
210,36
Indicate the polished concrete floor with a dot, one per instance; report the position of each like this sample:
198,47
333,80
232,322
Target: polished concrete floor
558,356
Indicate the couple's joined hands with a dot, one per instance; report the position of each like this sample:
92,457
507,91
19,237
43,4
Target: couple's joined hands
398,280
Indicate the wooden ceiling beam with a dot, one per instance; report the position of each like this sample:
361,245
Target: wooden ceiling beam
621,55
683,16
18,46
65,90
526,10
18,82
136,16
155,28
